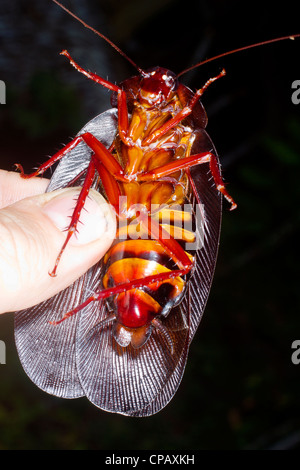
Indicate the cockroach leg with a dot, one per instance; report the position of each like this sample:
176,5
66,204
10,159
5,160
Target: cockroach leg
122,101
172,247
185,112
135,284
90,75
185,163
216,174
55,158
77,211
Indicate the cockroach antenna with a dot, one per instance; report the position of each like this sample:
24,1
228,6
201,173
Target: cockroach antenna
240,49
141,71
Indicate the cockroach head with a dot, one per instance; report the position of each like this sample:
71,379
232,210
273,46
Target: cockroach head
158,85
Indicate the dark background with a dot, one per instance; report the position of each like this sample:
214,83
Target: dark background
240,389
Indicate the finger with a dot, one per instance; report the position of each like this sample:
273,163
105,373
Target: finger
31,236
14,188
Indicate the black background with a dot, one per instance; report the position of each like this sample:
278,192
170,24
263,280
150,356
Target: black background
240,389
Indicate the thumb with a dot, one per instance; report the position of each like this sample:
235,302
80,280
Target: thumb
32,233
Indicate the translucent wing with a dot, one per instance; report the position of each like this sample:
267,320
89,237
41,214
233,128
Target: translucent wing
126,380
209,203
47,352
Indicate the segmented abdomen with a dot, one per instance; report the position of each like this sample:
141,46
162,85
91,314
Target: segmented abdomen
130,259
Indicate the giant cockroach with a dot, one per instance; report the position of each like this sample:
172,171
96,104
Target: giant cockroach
134,314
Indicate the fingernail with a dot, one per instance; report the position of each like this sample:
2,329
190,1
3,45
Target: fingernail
96,218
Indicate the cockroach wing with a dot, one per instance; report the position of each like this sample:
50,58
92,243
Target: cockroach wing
126,380
140,382
47,352
208,207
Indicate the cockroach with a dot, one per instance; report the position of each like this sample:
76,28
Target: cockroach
120,335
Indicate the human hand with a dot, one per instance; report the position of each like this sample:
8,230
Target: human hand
32,232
